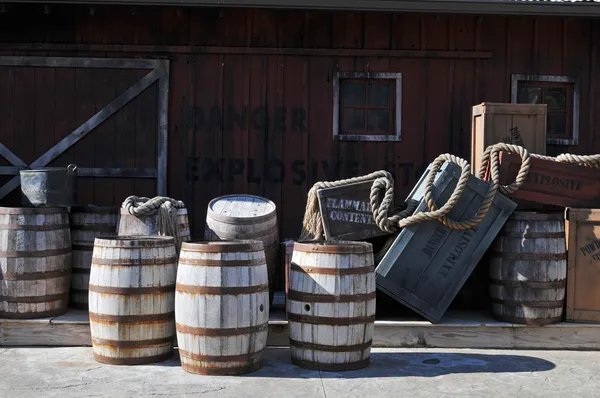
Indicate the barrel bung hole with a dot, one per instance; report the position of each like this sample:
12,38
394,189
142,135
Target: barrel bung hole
306,307
261,308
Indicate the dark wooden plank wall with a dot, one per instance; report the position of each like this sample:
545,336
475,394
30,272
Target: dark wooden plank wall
260,123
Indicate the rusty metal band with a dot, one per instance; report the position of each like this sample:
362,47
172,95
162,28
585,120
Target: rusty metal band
33,276
330,348
252,357
35,299
133,361
530,284
108,228
83,248
34,314
201,370
133,242
81,270
532,235
223,246
233,290
50,227
32,210
124,262
332,271
530,304
339,247
328,298
133,344
223,263
38,253
222,332
529,321
149,318
333,367
132,290
530,256
323,320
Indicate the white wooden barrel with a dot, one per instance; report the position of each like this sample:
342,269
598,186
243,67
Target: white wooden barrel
132,299
222,307
528,269
331,305
234,217
130,225
35,262
87,223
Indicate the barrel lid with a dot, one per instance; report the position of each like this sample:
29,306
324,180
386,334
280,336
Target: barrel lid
32,210
229,246
241,206
333,247
535,216
134,241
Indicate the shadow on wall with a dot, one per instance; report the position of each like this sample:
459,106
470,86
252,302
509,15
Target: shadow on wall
277,364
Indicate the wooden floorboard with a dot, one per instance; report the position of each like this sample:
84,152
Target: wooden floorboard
456,330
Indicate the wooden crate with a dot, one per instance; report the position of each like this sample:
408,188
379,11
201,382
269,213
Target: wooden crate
552,183
346,212
518,124
428,262
583,265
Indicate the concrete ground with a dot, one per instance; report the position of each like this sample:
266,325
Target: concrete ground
72,372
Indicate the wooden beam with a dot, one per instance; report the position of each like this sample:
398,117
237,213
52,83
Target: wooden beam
11,157
163,129
94,172
71,62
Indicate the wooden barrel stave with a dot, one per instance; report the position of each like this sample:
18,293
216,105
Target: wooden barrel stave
35,262
132,300
230,338
331,306
528,269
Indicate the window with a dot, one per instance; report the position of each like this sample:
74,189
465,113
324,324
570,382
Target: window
367,106
561,95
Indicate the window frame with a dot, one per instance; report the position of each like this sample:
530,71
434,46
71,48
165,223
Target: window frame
395,108
574,113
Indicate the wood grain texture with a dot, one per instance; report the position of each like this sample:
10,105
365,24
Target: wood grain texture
148,225
222,307
87,223
132,299
331,305
528,269
234,217
35,262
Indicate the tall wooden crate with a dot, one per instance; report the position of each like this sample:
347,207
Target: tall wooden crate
518,124
583,265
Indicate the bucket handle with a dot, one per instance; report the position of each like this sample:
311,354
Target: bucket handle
71,168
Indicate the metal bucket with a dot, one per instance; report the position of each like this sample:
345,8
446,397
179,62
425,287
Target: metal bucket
50,186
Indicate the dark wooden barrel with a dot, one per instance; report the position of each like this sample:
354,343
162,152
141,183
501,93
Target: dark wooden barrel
132,299
331,305
235,217
528,269
222,307
35,262
87,223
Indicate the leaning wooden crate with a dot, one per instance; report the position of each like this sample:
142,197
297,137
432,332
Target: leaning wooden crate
583,265
428,263
518,124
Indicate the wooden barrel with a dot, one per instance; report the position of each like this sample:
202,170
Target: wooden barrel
35,262
528,269
129,225
234,217
87,223
132,299
331,305
222,307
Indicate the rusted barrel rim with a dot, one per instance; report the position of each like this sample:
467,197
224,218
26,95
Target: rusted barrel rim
125,212
32,210
333,247
134,241
95,209
536,216
241,220
220,246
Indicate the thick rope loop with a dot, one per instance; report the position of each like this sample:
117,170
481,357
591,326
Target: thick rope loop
491,157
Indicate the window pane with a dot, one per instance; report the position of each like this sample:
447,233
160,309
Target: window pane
378,121
557,124
353,94
353,119
379,95
529,95
556,98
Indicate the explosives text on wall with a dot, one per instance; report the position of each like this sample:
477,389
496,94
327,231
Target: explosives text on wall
346,212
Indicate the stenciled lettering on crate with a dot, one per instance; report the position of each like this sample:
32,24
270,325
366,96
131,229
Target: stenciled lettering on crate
428,263
346,212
